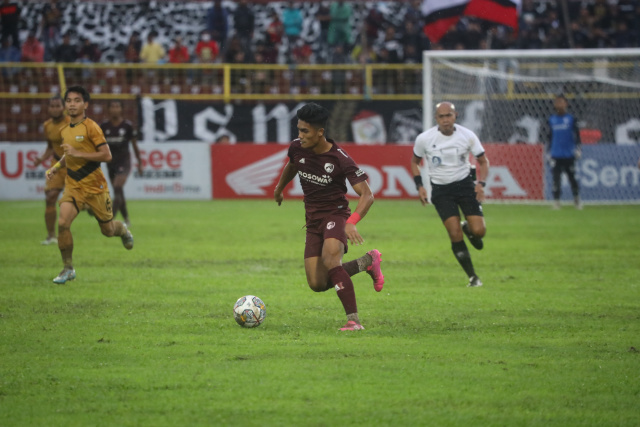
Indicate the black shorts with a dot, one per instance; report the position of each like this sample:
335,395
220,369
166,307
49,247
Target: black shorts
119,165
447,198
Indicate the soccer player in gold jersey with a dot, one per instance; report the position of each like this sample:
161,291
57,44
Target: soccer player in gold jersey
85,147
53,188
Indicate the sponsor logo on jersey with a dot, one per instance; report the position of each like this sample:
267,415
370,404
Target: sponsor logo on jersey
79,138
330,225
359,172
309,177
301,161
328,167
436,160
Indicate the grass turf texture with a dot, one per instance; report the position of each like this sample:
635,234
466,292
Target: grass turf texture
147,337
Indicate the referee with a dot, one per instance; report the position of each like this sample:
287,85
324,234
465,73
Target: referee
446,149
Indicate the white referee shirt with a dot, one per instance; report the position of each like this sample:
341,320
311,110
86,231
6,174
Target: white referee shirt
447,157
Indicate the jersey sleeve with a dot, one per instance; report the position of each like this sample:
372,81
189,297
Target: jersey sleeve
476,147
351,170
418,147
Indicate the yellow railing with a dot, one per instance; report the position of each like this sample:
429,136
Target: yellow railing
215,82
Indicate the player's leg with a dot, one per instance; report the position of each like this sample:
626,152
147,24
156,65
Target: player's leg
119,202
332,253
101,206
51,214
556,173
474,226
444,200
369,262
575,188
68,212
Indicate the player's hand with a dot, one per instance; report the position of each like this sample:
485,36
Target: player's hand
577,153
480,193
51,172
69,150
278,197
352,234
424,198
37,161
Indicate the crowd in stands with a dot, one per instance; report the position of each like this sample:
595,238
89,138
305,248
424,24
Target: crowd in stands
229,33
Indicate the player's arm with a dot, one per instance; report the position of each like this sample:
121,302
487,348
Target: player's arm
55,168
417,178
364,203
102,155
288,173
482,173
45,155
577,151
136,151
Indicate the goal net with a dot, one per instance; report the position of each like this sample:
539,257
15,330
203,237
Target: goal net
506,98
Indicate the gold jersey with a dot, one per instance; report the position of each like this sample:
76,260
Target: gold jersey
84,175
52,135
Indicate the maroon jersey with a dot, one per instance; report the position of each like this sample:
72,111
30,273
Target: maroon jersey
118,138
323,178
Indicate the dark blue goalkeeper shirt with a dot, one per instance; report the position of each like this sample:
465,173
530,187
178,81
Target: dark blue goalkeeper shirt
565,136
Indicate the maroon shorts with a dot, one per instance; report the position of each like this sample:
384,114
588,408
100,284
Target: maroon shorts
330,227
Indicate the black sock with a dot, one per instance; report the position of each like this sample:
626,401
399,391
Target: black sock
462,255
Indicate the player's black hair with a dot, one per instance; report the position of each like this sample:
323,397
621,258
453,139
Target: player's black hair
78,89
114,101
314,114
58,97
561,95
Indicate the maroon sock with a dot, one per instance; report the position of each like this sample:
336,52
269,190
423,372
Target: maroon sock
344,288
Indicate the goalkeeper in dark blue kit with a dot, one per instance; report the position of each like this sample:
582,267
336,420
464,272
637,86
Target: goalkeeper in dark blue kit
563,149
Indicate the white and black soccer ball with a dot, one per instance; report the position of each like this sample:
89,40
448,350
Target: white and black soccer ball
249,311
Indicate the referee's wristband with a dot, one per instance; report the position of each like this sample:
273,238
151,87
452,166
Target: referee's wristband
418,180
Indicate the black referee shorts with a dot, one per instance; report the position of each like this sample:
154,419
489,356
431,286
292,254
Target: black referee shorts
447,198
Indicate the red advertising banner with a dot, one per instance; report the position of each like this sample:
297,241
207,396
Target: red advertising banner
252,171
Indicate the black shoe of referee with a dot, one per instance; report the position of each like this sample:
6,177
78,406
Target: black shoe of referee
475,241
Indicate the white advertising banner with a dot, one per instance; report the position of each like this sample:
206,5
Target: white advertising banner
176,170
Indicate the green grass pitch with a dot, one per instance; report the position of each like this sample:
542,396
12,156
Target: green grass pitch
147,337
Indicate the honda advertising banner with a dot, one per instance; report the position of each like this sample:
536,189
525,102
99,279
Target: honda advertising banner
253,171
180,170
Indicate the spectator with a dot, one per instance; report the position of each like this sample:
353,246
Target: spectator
275,33
266,53
412,36
414,13
339,56
179,54
9,53
32,49
218,24
152,52
623,37
323,16
10,21
373,25
292,21
302,52
132,51
66,52
340,27
236,53
207,50
390,48
244,23
50,28
89,52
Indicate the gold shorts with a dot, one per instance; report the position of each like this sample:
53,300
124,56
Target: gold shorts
57,182
100,204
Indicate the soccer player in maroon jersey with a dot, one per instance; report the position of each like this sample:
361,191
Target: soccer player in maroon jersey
323,168
119,133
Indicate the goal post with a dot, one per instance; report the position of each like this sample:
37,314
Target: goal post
506,97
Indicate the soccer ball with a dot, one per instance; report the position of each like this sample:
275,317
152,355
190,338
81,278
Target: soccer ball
249,311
